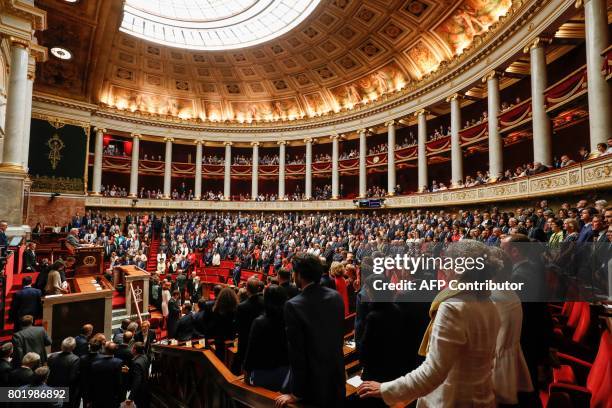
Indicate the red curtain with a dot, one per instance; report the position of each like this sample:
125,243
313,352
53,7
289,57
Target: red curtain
106,139
127,147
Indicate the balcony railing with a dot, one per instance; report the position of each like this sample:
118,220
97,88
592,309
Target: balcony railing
586,176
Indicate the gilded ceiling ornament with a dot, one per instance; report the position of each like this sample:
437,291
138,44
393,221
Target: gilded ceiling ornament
55,147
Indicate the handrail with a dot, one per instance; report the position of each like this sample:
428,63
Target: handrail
133,293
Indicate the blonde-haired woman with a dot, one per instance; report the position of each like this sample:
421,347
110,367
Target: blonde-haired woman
337,272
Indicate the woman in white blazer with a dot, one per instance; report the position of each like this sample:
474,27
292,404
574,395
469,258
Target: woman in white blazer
460,346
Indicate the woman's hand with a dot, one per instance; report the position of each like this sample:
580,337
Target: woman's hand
369,389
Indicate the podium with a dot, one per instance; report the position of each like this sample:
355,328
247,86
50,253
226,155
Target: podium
136,283
90,301
89,259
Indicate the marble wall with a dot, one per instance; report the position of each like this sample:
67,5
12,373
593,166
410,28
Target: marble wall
49,211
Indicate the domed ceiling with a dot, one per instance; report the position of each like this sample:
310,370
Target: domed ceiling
344,54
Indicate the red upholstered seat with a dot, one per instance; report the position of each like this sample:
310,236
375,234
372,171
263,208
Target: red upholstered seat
584,324
597,389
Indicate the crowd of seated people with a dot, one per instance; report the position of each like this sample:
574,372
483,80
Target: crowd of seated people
112,150
113,191
332,258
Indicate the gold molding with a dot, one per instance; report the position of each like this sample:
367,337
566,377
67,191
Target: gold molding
455,96
539,41
168,139
492,75
390,122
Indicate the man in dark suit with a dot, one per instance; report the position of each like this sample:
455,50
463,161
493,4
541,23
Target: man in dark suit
194,287
247,311
6,353
586,233
106,372
199,319
145,336
139,376
533,232
29,258
64,366
174,313
30,339
82,340
86,379
185,327
24,374
284,281
314,322
26,301
3,238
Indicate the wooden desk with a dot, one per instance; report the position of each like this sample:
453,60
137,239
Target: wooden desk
89,260
131,276
64,315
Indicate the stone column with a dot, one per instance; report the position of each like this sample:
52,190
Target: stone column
422,150
596,39
496,145
308,182
391,182
282,145
363,152
96,183
335,168
134,169
12,156
542,144
197,191
168,168
255,168
227,177
28,115
456,151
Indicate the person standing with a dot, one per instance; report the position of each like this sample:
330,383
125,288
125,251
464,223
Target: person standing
64,366
30,339
139,376
165,295
174,313
314,322
248,311
106,372
26,301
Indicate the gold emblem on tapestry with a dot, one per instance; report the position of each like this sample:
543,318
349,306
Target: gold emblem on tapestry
55,147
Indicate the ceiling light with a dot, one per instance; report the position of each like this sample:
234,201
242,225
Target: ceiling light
61,53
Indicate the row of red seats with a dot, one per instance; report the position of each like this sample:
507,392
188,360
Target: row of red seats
577,382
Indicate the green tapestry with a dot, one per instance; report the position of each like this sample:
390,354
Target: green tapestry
57,157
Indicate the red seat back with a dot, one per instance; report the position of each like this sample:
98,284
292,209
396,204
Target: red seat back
599,378
584,323
567,309
574,316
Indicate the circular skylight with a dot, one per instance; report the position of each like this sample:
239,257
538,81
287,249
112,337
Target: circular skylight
213,24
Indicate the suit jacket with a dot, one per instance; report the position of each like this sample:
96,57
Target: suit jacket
185,328
64,370
586,234
20,376
174,314
27,301
86,379
537,234
5,370
106,372
328,282
82,345
29,260
314,322
267,348
246,312
290,288
139,381
151,338
31,339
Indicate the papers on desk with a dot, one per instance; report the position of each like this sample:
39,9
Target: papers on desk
52,296
354,381
350,344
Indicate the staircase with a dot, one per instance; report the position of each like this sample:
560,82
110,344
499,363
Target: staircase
152,258
7,329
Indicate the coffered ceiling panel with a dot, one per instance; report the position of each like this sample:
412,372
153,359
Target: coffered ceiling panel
346,53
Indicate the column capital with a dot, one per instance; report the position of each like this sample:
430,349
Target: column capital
19,42
308,140
335,136
281,142
31,72
135,135
254,144
199,142
420,112
168,139
492,75
227,143
455,96
362,131
390,122
99,129
39,52
540,41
